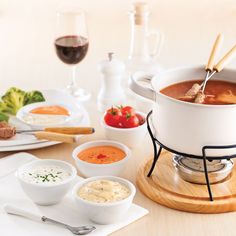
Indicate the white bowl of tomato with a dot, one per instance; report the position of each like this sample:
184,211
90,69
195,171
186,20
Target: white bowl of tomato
125,125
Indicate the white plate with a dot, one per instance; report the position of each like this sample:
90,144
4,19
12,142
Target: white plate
73,110
26,141
19,139
41,144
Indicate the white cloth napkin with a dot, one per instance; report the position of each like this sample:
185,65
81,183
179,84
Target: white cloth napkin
66,211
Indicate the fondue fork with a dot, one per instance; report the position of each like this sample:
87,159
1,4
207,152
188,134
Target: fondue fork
221,64
196,93
216,69
196,88
59,134
61,130
57,137
224,61
210,64
81,230
52,136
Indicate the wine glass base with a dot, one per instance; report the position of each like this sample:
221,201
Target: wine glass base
79,93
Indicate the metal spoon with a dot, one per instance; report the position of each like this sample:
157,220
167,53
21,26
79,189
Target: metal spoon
81,230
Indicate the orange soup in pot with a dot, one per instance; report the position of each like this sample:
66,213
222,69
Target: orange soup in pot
217,92
101,155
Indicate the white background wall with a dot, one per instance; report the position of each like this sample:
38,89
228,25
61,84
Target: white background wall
27,56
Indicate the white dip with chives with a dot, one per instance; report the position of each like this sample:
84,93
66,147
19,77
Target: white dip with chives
45,175
103,190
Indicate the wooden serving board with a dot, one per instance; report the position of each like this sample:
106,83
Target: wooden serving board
167,188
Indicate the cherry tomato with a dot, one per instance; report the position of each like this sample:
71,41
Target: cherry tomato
113,117
127,110
140,118
129,121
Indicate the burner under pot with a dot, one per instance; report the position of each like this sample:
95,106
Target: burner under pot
192,169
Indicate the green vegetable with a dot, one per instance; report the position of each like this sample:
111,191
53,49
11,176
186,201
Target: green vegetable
16,98
33,96
4,117
13,100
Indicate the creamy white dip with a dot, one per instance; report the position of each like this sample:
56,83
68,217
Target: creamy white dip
103,190
45,174
47,120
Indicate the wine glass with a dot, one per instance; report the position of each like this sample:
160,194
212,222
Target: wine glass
71,43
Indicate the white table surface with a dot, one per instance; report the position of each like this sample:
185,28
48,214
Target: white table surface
28,60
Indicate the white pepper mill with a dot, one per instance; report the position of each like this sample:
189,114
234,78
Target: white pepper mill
111,93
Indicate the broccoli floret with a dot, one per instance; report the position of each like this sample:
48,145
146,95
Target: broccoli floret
33,96
16,98
13,100
4,117
4,108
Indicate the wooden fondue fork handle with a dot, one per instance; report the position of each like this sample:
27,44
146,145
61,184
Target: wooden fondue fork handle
65,138
71,130
209,67
226,59
215,49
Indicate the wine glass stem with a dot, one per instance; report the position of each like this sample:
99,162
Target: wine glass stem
73,80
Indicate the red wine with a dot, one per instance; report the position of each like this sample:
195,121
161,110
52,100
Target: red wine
71,49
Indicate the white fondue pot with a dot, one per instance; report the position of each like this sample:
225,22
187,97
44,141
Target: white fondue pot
187,127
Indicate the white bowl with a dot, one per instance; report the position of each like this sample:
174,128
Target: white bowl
46,194
65,119
104,213
90,169
131,137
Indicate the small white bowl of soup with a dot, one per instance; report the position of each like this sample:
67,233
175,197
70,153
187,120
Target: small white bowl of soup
46,114
101,157
104,199
47,181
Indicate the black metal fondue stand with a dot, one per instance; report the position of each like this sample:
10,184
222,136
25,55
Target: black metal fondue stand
204,156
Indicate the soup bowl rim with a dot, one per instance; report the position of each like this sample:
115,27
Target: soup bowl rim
120,180
46,162
98,143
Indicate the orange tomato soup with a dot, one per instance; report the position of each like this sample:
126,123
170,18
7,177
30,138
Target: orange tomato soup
102,155
50,110
215,90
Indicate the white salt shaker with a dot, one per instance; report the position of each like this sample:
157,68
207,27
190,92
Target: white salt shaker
111,93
